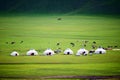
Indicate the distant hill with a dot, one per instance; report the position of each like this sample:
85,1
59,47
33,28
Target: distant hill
99,7
61,6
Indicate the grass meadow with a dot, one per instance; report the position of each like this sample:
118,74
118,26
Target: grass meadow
44,31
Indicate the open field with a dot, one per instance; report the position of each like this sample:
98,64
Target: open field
42,32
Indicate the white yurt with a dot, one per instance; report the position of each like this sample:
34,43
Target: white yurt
14,53
68,51
82,51
32,52
100,51
49,52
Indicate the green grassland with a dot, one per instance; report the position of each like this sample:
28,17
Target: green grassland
41,32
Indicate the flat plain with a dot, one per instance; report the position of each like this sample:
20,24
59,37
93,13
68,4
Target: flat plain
44,31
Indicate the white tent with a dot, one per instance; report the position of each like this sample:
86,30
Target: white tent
82,51
100,51
48,52
32,52
68,51
14,53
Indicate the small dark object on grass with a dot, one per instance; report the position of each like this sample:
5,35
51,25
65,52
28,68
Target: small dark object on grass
21,42
115,46
107,48
91,51
94,46
12,42
84,45
57,51
6,42
73,44
86,41
58,44
110,46
59,18
94,42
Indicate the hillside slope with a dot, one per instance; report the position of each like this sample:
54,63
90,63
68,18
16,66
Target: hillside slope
99,7
60,6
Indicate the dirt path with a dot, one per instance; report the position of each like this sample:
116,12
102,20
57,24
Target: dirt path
81,77
62,77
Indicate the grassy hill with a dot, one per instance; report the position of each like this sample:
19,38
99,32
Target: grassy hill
60,6
41,32
44,31
41,24
98,7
